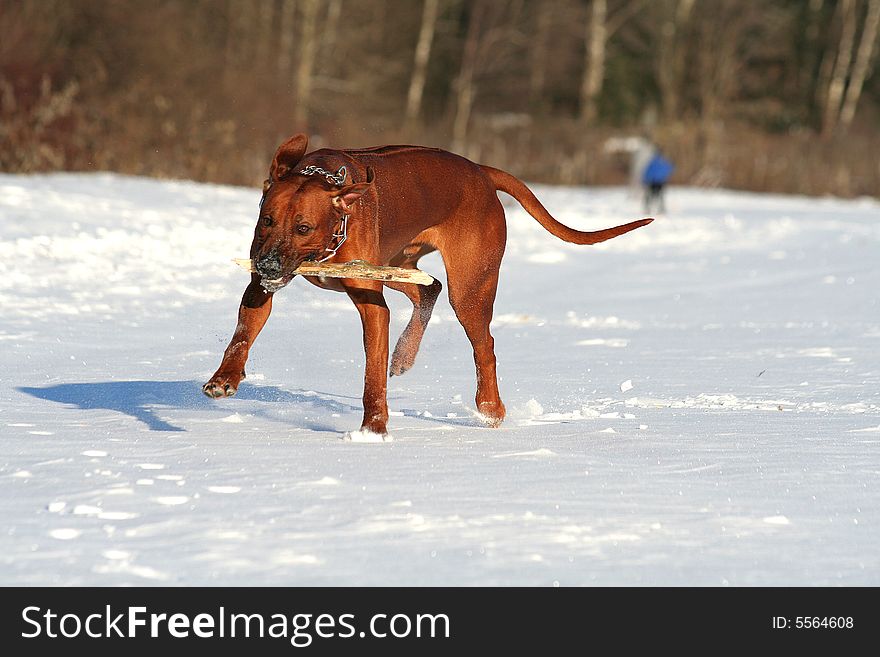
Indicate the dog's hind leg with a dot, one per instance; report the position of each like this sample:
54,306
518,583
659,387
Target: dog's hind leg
423,298
472,260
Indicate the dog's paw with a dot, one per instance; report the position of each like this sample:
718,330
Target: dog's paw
399,366
491,413
403,358
220,386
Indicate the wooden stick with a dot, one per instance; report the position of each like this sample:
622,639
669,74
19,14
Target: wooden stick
354,269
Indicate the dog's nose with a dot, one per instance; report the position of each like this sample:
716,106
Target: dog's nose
269,266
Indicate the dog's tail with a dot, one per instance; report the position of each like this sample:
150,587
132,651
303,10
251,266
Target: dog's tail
508,184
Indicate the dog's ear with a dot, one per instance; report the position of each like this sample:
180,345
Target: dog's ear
288,156
344,198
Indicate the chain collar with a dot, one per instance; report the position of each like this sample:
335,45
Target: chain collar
339,237
337,179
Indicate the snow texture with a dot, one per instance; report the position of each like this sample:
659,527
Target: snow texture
697,402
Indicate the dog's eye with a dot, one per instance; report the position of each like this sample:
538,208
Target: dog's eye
303,229
268,221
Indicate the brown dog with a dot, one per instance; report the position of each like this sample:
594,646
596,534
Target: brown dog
401,203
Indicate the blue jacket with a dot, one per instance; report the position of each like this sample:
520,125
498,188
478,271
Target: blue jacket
658,171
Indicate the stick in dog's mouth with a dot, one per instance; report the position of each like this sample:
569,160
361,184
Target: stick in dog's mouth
355,269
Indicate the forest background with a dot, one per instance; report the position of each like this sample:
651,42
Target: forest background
777,95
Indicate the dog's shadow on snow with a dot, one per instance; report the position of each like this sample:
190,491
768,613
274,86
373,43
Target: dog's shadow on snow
141,399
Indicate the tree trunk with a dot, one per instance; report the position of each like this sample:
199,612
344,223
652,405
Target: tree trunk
811,50
308,41
331,27
721,28
671,57
823,80
860,68
594,66
464,85
831,115
420,63
285,37
538,64
236,40
264,32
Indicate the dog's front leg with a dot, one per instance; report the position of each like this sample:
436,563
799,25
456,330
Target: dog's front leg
370,302
256,304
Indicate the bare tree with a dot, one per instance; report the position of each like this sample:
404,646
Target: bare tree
236,46
811,57
594,66
721,30
600,28
539,52
831,113
263,31
860,68
671,54
285,37
420,64
331,25
823,80
464,84
308,41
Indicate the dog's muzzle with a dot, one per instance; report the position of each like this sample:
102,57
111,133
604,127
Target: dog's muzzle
269,265
271,271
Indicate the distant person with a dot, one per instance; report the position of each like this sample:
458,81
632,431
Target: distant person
639,157
638,151
654,178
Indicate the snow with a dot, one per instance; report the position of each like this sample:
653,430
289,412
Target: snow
367,436
746,452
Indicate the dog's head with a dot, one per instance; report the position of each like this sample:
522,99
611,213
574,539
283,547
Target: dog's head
298,215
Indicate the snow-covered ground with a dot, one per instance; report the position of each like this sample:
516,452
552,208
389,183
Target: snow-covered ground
697,402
